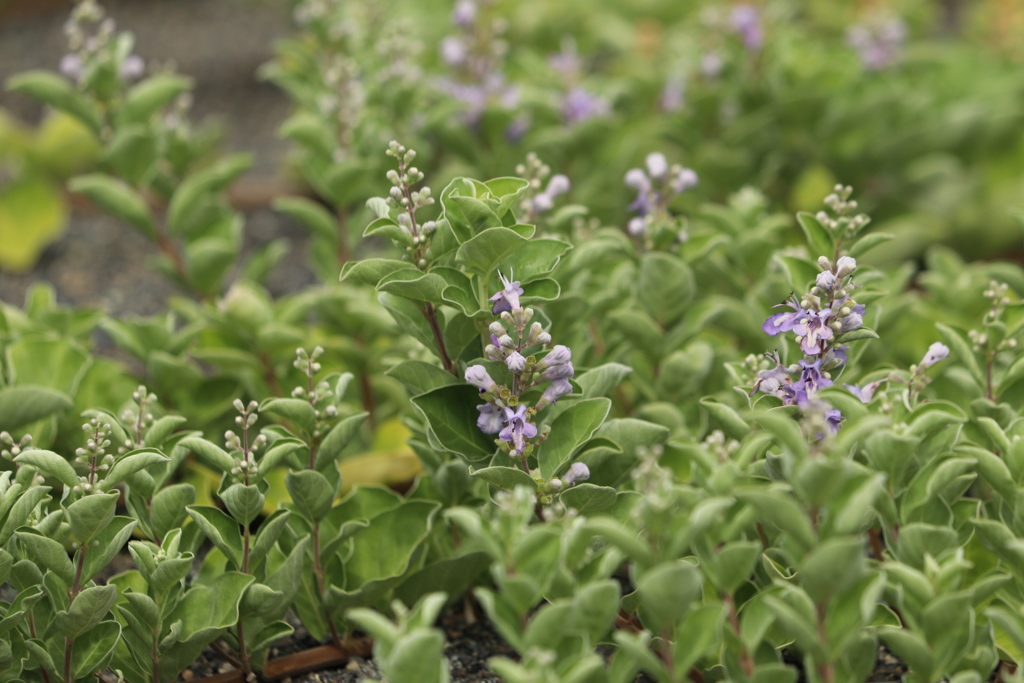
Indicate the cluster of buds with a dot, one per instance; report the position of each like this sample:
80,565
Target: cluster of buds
537,201
656,187
842,222
980,340
408,201
879,44
476,53
513,338
94,455
314,392
138,418
93,42
242,449
10,449
343,99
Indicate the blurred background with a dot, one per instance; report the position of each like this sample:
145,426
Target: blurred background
919,104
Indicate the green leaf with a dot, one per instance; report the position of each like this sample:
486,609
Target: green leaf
420,376
505,477
270,634
116,198
168,508
385,226
91,514
371,271
451,413
296,410
962,351
48,553
130,463
93,649
278,453
535,259
483,252
818,238
311,214
162,429
338,439
33,214
666,592
109,542
312,495
270,530
22,405
569,432
243,502
600,381
776,505
209,453
144,99
868,242
50,463
665,287
588,498
222,531
414,284
57,92
857,335
88,609
187,200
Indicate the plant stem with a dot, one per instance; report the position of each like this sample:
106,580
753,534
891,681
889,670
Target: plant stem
321,584
734,620
76,588
826,669
430,313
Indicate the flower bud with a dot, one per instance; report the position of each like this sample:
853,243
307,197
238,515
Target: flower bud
516,362
578,472
497,329
478,377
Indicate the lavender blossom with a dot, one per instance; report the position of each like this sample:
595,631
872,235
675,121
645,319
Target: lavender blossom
453,51
556,390
657,165
813,330
878,45
559,371
478,377
834,419
508,298
581,105
936,352
746,21
559,355
865,393
577,472
517,430
464,13
778,323
492,418
516,362
810,375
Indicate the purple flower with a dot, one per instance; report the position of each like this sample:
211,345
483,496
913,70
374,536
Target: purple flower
826,280
508,298
580,105
778,323
865,393
657,165
516,362
464,13
813,330
577,472
559,184
683,180
834,419
491,420
478,377
562,371
673,95
811,376
453,51
636,226
131,68
846,265
746,21
772,380
517,430
637,180
517,129
71,66
556,390
559,355
936,352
